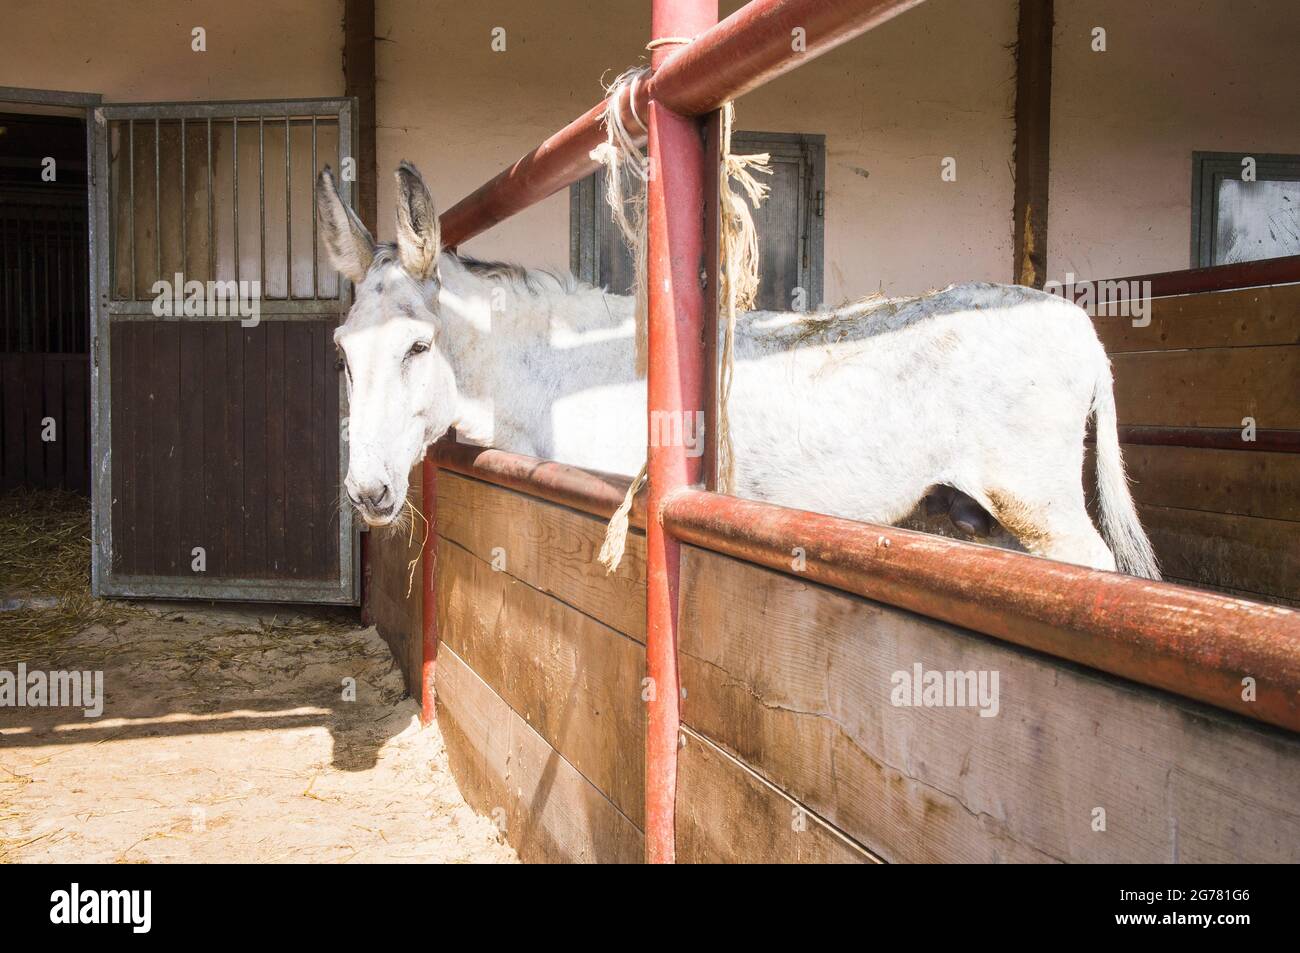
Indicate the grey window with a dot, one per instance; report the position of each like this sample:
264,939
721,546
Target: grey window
790,223
1235,220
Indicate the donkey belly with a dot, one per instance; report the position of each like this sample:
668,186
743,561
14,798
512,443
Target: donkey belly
812,431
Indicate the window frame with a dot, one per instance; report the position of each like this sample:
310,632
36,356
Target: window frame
1208,170
586,196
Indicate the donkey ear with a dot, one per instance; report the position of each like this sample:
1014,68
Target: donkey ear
418,241
350,247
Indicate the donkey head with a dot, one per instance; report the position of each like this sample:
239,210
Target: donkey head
401,389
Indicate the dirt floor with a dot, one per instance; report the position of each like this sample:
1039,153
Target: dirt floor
248,734
225,736
226,733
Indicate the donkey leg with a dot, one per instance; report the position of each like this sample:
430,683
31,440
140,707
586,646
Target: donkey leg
1053,525
1076,540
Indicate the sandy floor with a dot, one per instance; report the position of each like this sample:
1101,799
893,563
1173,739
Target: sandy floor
226,736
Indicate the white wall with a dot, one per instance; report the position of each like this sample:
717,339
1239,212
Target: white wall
937,81
1177,76
139,50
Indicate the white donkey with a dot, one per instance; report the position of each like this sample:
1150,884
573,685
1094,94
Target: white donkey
856,412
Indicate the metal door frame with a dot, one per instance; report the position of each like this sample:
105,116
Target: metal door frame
346,587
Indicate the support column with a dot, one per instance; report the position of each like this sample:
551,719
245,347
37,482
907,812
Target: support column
359,81
1033,137
676,406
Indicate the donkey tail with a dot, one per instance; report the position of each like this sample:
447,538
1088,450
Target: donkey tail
1119,519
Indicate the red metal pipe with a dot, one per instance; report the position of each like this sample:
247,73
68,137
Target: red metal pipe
428,580
1193,643
675,386
557,163
760,42
589,491
755,44
1247,274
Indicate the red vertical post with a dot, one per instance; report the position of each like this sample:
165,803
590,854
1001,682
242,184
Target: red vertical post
676,382
428,575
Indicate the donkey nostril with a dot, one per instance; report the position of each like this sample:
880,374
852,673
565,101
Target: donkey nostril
375,498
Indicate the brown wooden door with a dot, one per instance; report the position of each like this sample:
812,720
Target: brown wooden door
216,418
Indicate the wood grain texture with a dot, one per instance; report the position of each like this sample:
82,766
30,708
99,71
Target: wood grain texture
506,770
550,547
795,680
1252,317
1033,119
1209,387
1244,553
1244,483
225,438
576,681
727,814
395,614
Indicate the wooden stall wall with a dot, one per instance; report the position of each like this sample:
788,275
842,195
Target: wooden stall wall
1226,517
539,674
795,749
395,596
34,388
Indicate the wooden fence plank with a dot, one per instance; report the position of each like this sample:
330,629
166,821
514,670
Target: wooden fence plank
550,547
397,615
1245,553
728,814
796,681
1210,387
506,770
1251,317
1245,483
575,681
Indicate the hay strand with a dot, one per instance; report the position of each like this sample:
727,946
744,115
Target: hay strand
45,567
410,567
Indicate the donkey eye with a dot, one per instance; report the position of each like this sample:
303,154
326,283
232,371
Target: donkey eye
419,347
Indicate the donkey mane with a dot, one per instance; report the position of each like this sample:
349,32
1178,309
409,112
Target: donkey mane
533,281
769,332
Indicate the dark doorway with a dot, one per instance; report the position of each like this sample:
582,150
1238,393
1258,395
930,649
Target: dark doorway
44,302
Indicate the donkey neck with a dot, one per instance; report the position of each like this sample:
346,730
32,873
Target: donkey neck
517,339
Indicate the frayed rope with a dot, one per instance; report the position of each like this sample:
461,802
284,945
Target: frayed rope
611,550
626,175
738,273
